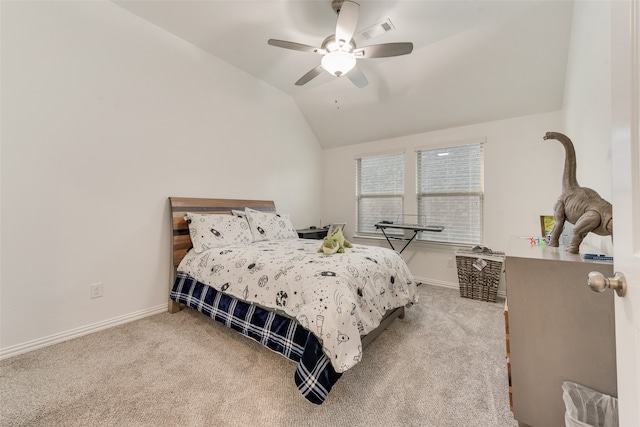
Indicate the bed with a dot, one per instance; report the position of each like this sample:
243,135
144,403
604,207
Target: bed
241,263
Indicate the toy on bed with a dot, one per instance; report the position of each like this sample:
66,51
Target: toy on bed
335,242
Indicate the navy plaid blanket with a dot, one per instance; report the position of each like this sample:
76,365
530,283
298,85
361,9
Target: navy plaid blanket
314,376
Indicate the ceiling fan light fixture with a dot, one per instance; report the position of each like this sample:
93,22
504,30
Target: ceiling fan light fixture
338,63
339,52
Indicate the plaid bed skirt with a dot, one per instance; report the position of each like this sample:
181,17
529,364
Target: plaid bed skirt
314,375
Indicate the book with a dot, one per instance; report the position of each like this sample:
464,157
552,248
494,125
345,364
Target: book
598,257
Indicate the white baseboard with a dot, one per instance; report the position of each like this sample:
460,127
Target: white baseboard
450,285
15,350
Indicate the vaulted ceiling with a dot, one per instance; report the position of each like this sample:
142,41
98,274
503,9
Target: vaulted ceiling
472,61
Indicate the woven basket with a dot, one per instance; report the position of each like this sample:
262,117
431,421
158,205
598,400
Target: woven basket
479,274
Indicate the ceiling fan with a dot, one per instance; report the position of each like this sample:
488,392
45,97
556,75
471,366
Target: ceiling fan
339,51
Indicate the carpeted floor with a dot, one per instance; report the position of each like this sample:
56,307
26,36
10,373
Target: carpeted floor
443,365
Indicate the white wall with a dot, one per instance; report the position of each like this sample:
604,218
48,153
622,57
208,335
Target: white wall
587,101
105,116
523,173
521,183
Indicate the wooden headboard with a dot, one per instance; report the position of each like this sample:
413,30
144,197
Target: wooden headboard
180,240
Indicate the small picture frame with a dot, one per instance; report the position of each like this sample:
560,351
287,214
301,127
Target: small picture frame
546,224
336,225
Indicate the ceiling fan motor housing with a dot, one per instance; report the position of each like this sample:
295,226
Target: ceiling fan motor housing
331,45
336,5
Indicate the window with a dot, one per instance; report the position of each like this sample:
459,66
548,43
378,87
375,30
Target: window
450,192
379,190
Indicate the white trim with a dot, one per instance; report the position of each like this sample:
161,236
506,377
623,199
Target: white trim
447,144
15,350
78,332
379,153
432,243
450,285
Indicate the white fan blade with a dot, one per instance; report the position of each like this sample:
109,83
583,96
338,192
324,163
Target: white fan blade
296,46
347,22
309,76
357,77
383,50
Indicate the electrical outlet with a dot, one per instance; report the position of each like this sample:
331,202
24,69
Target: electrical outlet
450,262
95,290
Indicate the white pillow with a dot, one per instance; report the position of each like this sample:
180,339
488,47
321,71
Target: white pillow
270,226
239,213
215,231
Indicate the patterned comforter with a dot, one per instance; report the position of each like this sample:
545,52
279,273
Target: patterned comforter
310,307
336,297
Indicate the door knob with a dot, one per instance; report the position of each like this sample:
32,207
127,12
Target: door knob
599,283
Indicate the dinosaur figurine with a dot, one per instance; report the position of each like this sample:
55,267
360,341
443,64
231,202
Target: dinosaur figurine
581,206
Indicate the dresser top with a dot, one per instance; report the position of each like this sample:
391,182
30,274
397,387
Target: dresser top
521,247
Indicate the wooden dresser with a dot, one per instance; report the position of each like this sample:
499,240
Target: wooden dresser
557,329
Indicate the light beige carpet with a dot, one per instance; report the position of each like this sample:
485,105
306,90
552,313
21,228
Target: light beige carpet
443,365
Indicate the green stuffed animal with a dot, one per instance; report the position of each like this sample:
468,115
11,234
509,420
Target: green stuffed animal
335,243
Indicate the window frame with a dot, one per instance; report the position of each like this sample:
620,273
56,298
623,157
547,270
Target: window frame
361,231
478,227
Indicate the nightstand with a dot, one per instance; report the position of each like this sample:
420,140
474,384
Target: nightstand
312,233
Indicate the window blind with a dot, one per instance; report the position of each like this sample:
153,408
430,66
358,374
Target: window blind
450,191
379,190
